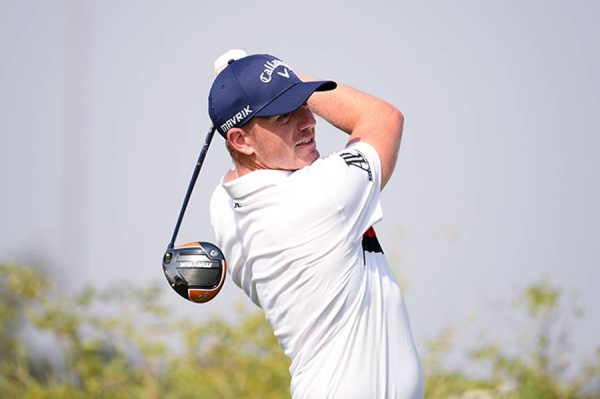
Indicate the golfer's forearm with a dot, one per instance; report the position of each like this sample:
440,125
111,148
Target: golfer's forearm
348,108
340,107
366,118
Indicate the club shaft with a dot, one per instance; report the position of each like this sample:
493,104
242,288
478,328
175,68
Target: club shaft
188,194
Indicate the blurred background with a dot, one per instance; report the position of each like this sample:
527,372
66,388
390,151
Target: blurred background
103,110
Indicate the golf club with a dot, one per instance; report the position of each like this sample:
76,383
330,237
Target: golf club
195,270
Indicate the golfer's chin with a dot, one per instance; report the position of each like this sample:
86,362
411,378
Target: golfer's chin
308,153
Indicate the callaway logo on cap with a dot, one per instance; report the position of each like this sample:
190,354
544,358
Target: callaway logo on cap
257,85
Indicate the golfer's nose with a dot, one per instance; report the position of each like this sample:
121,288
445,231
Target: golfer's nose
306,119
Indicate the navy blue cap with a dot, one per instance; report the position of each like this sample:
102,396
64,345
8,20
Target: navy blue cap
257,85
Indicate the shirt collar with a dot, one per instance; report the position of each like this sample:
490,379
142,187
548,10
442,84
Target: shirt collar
254,181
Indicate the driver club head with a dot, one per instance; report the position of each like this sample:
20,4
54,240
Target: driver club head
195,270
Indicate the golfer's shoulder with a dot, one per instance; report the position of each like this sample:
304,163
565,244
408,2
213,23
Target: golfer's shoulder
352,172
357,161
363,151
219,197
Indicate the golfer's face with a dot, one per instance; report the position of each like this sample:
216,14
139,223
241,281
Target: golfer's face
286,141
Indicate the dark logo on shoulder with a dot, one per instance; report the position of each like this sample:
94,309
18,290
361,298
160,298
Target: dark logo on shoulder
356,158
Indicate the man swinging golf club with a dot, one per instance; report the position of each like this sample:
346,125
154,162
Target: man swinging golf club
297,229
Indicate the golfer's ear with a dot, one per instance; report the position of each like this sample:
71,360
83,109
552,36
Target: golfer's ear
238,140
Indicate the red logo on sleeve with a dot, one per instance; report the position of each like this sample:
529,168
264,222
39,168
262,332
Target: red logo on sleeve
370,243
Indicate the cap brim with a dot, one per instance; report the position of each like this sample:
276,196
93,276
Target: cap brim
293,98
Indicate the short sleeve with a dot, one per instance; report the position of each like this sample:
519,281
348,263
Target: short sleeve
353,181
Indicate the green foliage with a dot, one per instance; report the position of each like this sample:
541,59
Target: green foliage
541,299
441,383
123,343
538,371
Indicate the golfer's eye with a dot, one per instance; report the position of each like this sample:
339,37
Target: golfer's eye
283,118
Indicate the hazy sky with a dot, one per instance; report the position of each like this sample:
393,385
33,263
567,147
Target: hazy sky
103,112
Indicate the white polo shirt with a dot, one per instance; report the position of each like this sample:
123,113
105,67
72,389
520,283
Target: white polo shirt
302,247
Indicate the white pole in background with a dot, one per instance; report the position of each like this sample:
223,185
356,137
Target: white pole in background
75,158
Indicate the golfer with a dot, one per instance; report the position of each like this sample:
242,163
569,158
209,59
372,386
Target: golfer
297,228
